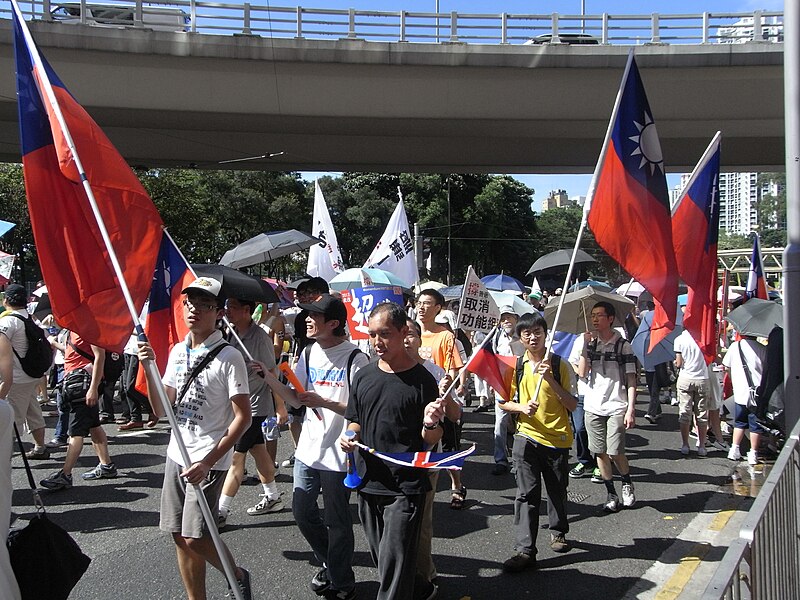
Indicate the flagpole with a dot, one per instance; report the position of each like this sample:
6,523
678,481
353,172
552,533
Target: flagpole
471,358
710,149
148,365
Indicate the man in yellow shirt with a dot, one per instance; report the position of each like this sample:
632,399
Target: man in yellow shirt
541,443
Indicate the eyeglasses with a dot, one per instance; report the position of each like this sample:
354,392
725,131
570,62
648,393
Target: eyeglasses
425,303
198,306
526,335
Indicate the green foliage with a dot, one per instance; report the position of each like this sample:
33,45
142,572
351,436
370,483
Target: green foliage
772,212
733,241
14,208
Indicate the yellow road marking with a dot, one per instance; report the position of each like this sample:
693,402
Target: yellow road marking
689,563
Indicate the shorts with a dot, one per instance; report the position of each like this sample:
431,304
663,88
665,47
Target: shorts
83,418
693,400
451,436
606,434
180,511
297,413
252,437
746,419
22,398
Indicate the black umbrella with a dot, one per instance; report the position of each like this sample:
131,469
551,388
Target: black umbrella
268,246
43,307
236,284
559,261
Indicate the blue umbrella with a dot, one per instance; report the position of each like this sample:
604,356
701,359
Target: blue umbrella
599,285
502,283
5,227
452,292
664,351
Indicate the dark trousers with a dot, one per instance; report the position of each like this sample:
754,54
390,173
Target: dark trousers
534,463
391,525
134,401
582,451
654,389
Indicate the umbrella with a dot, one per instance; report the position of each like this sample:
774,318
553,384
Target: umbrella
559,260
429,285
756,317
578,305
236,284
664,350
452,292
518,304
502,283
632,289
42,306
285,296
352,278
598,285
268,246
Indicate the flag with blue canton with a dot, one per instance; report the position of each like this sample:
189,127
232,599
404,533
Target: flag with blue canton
424,460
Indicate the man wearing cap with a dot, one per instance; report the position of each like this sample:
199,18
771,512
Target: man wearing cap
15,385
506,343
325,370
212,413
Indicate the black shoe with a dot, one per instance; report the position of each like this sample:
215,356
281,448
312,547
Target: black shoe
500,469
244,586
519,562
320,582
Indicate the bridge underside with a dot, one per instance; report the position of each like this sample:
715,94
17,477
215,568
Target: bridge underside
181,99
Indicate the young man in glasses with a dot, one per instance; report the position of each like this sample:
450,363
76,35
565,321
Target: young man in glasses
213,411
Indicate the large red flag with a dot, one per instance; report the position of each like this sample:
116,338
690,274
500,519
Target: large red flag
628,204
695,231
84,291
494,369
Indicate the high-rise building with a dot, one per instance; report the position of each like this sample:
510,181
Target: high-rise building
742,31
557,199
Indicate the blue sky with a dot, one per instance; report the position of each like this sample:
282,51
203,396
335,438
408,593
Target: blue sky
575,185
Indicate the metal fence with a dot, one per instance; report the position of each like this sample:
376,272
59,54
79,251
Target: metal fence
453,27
764,561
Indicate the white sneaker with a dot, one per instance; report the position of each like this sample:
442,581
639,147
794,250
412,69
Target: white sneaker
752,457
628,497
734,454
701,451
265,506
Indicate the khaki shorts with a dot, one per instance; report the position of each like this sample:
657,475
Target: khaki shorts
22,398
693,400
180,511
606,434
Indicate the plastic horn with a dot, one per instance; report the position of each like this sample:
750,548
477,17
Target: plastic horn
352,479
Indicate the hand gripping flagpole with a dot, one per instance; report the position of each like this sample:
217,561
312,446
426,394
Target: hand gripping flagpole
149,365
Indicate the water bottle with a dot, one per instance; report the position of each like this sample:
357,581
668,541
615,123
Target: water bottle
271,429
257,313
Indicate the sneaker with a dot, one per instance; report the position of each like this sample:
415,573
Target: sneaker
612,503
558,543
56,443
265,505
57,481
720,445
38,454
101,471
701,451
652,419
734,454
578,471
685,449
320,582
519,562
752,457
131,425
628,495
596,476
341,594
244,586
289,462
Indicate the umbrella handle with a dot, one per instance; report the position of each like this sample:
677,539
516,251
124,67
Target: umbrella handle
585,319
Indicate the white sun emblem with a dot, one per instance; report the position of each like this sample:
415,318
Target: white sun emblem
647,145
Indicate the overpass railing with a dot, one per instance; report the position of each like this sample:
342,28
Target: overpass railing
452,27
764,561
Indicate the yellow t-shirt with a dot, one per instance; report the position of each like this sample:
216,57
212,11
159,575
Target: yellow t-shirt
549,425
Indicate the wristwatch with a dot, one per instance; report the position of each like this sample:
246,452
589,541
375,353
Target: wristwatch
431,427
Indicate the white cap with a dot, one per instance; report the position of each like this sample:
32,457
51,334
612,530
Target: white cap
508,309
210,286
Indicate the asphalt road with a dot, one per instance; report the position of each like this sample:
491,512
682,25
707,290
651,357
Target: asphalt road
115,521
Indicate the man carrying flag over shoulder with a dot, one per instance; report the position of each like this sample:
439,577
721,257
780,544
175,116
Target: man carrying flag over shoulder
628,203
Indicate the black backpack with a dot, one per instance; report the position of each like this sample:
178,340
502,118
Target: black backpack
39,357
555,368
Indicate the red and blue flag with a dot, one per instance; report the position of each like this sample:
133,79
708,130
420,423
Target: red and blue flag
84,291
695,232
756,285
628,204
493,368
424,460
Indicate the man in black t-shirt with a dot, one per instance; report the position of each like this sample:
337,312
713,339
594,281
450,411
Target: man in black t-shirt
393,408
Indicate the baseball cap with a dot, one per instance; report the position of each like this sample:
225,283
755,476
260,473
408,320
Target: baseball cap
330,306
507,308
210,286
15,295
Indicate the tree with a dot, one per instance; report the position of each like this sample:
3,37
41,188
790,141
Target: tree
772,211
18,241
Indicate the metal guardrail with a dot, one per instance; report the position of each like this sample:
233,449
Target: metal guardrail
764,561
453,27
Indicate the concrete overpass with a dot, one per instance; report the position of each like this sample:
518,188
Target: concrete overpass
180,99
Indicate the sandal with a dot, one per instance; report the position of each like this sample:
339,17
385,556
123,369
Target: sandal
457,498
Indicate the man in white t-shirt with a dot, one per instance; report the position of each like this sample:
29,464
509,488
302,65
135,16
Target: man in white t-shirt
693,391
213,411
754,355
325,370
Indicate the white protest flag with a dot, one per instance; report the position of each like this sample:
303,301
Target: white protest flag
395,250
6,264
477,310
324,260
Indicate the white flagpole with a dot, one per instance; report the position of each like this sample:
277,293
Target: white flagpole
149,365
710,149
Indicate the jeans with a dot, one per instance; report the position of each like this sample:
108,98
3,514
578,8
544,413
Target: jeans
332,540
535,462
654,408
581,436
134,402
502,419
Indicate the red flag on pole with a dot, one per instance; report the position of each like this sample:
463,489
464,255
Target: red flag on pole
628,202
85,293
756,286
494,369
695,231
